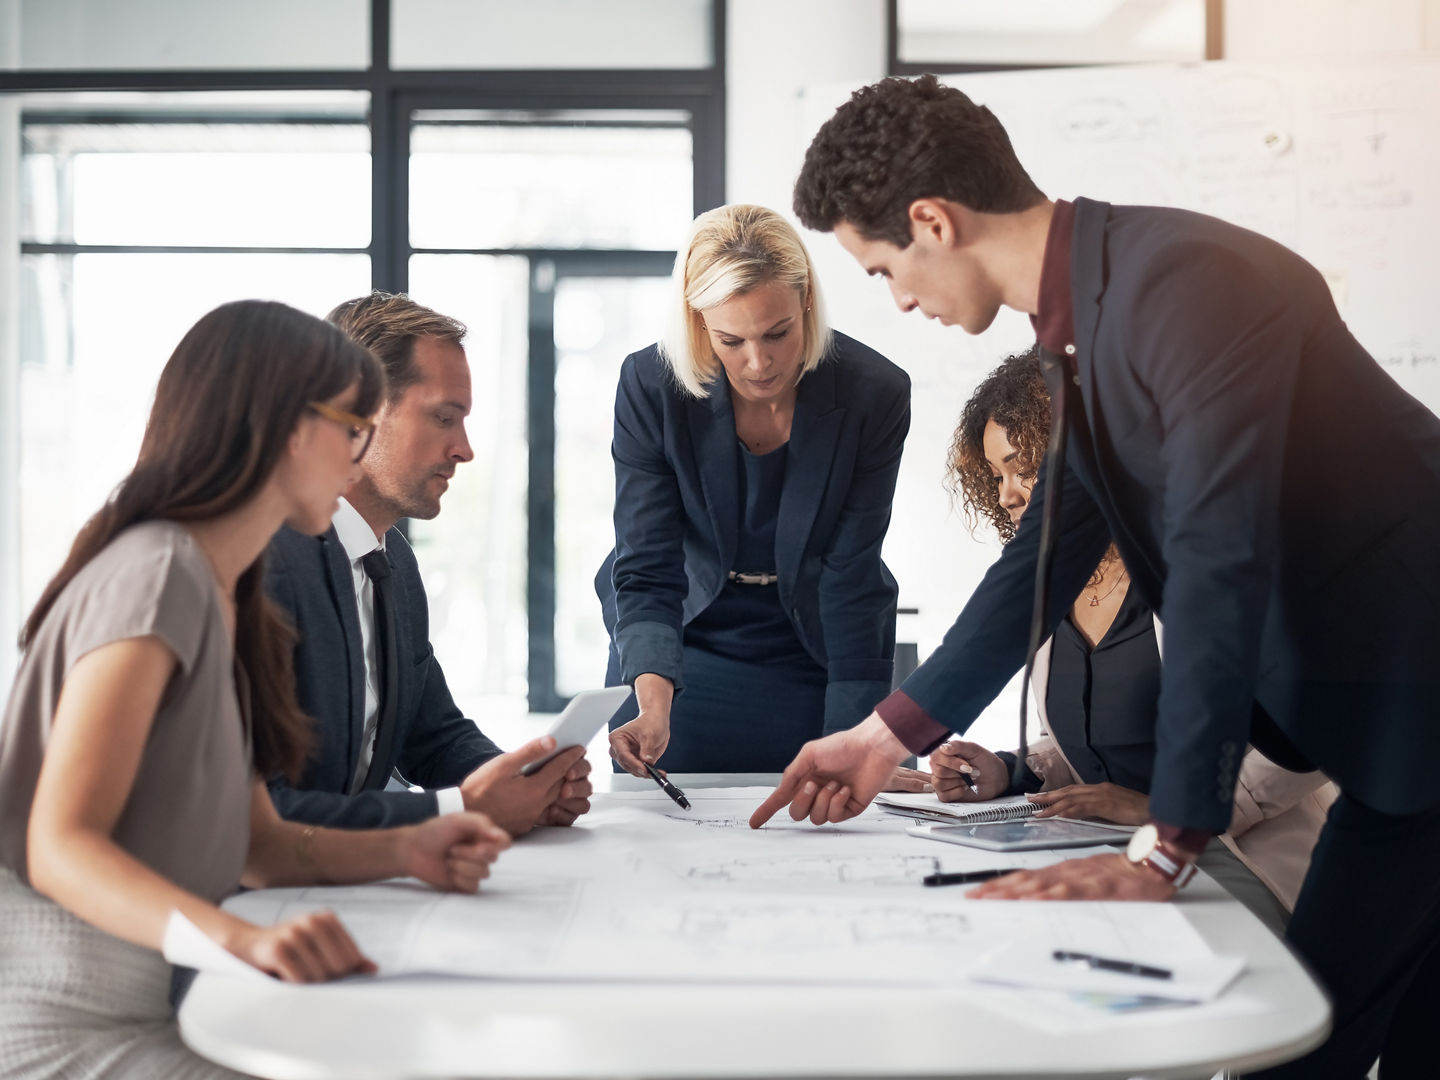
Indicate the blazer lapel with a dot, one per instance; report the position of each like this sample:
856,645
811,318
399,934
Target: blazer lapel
814,434
1087,286
1087,283
712,436
342,594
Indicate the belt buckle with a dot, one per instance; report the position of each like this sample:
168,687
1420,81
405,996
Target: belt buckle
753,577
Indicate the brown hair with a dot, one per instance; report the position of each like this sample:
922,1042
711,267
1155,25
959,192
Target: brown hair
1014,396
899,140
388,324
227,403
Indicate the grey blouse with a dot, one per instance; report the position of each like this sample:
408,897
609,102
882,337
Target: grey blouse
188,814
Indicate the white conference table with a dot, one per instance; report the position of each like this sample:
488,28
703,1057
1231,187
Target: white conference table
435,1026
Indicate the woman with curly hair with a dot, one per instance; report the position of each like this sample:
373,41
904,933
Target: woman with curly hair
1097,680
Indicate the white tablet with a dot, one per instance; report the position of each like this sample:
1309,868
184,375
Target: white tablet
1025,835
583,717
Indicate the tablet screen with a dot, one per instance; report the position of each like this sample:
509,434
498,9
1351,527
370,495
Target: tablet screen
1021,835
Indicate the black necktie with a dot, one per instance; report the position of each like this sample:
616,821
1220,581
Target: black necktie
377,569
1057,380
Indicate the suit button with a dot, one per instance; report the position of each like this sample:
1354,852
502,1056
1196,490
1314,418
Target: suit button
1225,782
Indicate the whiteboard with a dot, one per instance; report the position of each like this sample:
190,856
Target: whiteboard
1340,162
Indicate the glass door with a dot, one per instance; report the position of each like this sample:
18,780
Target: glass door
551,235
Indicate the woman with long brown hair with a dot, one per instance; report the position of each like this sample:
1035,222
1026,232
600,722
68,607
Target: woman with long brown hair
155,693
1097,681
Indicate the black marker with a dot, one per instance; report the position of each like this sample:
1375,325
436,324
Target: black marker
966,878
667,787
1122,967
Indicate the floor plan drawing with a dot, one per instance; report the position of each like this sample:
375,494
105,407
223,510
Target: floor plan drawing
818,870
800,928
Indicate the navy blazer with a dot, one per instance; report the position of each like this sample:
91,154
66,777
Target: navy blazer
677,519
434,745
1276,498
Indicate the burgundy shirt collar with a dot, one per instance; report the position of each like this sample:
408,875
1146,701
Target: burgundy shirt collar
1054,319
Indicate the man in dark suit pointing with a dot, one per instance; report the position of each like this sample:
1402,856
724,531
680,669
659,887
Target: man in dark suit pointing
364,667
1274,493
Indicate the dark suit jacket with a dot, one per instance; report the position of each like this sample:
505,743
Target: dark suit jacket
1276,498
433,746
677,515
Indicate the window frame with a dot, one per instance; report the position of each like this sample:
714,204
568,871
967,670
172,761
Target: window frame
894,65
395,95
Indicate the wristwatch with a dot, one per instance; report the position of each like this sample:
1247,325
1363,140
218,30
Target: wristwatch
1147,849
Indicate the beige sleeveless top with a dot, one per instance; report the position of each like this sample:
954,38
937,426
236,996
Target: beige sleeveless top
188,814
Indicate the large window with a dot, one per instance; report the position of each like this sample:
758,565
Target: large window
481,179
541,34
500,162
149,35
598,321
557,281
132,227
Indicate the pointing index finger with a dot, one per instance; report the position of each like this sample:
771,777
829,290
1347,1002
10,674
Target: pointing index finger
782,794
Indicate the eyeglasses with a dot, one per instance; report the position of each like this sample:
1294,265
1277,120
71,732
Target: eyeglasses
361,429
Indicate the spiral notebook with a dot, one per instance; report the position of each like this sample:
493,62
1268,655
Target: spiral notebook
929,808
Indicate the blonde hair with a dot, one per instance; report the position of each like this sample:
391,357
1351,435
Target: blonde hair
729,251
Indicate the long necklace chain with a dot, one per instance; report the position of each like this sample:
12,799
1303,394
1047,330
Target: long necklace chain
1095,597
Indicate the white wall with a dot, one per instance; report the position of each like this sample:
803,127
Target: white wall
774,50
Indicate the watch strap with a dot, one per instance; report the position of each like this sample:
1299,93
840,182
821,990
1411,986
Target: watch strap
1164,861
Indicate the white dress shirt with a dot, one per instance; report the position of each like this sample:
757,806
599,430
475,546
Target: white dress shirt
358,541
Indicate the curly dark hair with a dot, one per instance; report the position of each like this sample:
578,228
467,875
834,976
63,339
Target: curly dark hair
1015,397
899,140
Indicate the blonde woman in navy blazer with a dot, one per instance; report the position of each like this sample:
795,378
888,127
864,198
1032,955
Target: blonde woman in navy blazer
755,461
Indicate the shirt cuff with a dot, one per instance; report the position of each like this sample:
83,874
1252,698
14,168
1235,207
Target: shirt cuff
1029,782
913,726
1191,841
449,800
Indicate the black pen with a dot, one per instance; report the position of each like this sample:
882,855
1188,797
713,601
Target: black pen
1121,967
968,877
667,787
